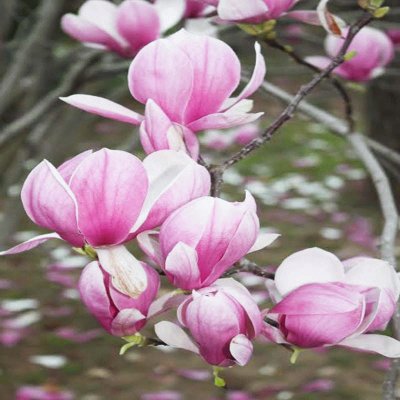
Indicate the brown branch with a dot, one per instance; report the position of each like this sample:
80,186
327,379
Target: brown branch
47,13
334,81
304,91
245,265
70,81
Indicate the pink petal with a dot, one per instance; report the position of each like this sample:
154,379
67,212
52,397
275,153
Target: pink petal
385,345
148,242
110,187
94,295
244,298
216,72
241,349
255,81
166,302
164,73
124,324
319,61
102,14
103,107
237,10
312,265
67,169
30,244
174,180
138,23
181,267
174,336
170,12
234,116
49,202
158,132
88,33
263,241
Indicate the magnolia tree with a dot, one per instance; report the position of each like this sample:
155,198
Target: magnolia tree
170,202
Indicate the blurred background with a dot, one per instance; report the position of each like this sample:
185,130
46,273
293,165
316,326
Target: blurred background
308,184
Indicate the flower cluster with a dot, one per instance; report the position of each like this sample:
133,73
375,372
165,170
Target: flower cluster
100,201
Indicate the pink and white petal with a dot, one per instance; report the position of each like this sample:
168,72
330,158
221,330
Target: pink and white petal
68,167
50,203
216,79
138,23
166,302
174,336
94,295
381,344
320,299
170,12
174,180
110,187
244,298
312,265
182,268
148,242
255,81
263,240
103,107
241,349
128,274
237,10
30,244
372,272
124,324
88,33
164,73
102,14
320,62
273,334
235,116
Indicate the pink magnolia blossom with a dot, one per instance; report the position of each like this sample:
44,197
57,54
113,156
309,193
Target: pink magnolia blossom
251,11
222,320
123,29
106,198
203,239
186,82
118,313
373,51
323,302
43,393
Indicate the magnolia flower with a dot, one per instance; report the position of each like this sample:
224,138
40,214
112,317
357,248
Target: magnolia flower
106,198
118,313
186,82
123,29
373,50
203,239
394,35
251,11
222,320
324,302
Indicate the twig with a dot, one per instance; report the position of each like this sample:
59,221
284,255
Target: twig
334,81
304,91
245,265
47,14
336,125
69,82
